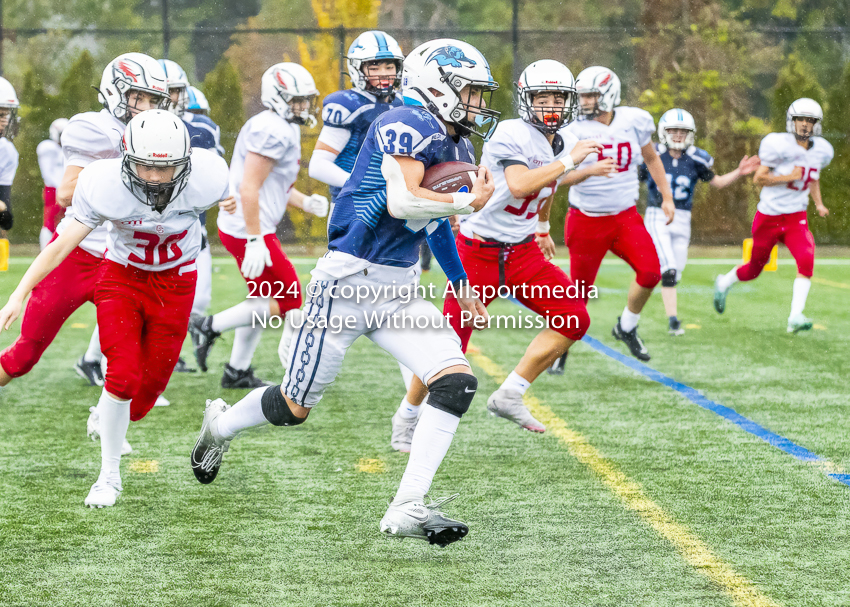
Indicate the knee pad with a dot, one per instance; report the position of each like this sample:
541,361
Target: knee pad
668,278
453,393
276,409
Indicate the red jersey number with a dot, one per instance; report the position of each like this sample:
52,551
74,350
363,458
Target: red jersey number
533,197
624,155
809,175
157,252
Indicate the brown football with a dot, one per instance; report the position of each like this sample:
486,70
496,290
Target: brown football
450,177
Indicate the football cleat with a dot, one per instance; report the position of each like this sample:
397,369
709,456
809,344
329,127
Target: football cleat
675,327
423,522
208,451
89,371
93,431
103,494
720,296
161,401
237,379
203,338
798,323
508,404
182,367
557,367
632,340
403,430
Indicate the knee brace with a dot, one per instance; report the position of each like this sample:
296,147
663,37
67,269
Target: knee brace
668,278
277,410
453,393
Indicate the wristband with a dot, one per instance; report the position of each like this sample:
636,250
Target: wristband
461,200
568,163
542,228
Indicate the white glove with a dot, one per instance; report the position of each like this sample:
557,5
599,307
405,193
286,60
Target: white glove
317,205
257,257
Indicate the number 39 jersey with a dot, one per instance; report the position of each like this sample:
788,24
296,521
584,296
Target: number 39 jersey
630,130
360,225
138,235
505,218
780,152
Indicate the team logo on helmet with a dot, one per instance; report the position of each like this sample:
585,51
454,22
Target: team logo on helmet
450,55
279,78
125,68
605,80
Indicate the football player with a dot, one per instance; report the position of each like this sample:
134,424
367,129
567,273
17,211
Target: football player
131,83
264,167
51,162
9,105
380,219
198,104
507,243
152,196
684,165
791,164
602,215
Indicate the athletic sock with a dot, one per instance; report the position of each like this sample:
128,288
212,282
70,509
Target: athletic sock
245,342
240,315
431,440
515,382
801,292
247,413
728,279
114,420
408,411
629,320
93,354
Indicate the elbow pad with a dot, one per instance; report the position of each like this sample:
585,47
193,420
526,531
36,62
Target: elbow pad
403,204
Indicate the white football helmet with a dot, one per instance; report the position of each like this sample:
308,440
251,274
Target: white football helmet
374,46
56,128
198,103
600,80
156,138
9,102
804,108
434,75
547,76
131,72
175,78
287,81
676,119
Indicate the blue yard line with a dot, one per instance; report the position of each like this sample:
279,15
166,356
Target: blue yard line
693,395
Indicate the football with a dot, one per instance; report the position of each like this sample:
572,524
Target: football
450,177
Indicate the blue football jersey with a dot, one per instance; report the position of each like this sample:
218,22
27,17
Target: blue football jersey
203,132
355,112
361,225
683,173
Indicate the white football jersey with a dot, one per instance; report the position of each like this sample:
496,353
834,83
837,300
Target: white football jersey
269,135
51,162
139,235
505,218
8,161
88,137
780,152
630,130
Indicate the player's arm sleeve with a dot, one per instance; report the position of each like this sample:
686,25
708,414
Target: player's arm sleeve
442,243
334,137
829,153
84,212
505,149
769,153
82,144
645,127
217,187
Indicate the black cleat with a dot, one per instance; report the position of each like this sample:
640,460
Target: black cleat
236,379
203,338
91,372
182,367
632,340
557,367
675,327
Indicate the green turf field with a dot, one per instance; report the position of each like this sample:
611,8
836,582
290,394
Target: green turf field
634,497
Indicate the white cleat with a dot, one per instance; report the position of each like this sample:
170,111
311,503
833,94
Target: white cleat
798,323
423,522
209,450
103,494
93,431
508,404
403,430
161,401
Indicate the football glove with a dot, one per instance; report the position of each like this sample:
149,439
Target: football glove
317,205
257,257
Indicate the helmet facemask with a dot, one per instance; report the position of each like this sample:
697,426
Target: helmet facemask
808,120
394,80
178,106
10,116
686,142
589,111
554,115
472,113
156,195
304,117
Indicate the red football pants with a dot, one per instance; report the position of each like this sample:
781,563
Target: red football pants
143,318
53,300
277,279
624,234
526,265
792,230
53,213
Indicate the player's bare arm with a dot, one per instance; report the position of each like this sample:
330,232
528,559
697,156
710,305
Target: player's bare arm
765,177
814,190
469,302
602,168
542,236
523,181
748,165
656,169
65,191
46,262
311,203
